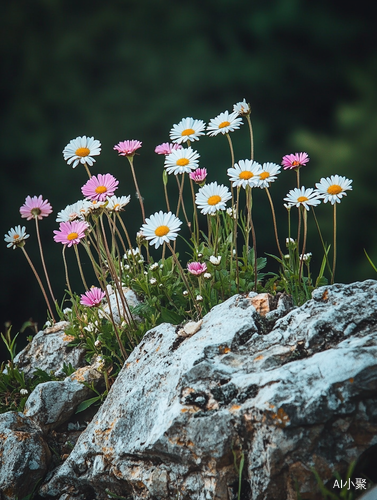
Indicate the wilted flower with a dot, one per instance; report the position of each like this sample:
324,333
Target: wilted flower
242,108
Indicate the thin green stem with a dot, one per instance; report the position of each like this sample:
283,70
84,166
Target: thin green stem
87,170
251,137
274,221
334,260
39,283
323,244
195,212
80,268
43,260
301,257
180,189
131,161
66,271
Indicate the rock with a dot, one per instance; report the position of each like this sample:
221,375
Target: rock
24,455
117,305
289,390
52,403
49,351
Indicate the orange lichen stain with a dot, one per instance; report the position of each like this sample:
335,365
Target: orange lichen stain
65,456
258,358
325,295
224,349
281,418
234,408
351,380
137,360
68,338
79,374
158,348
271,406
22,436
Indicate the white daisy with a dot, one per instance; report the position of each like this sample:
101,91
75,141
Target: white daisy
245,173
242,108
16,236
187,129
93,206
117,203
225,122
81,150
306,197
212,197
181,161
76,211
268,174
333,188
161,228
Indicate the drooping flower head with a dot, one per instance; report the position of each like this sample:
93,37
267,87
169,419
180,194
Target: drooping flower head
268,174
127,148
242,108
187,129
305,197
70,233
333,188
81,150
212,197
224,123
35,207
181,161
117,203
245,173
16,237
75,211
196,268
93,297
199,176
100,187
161,228
166,148
296,160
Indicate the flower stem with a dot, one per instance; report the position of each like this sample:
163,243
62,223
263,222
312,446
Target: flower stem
66,271
131,161
301,257
251,137
43,260
323,244
87,170
39,283
80,268
195,212
180,190
274,220
334,260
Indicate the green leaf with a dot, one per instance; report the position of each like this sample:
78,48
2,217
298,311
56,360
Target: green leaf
88,402
370,261
170,317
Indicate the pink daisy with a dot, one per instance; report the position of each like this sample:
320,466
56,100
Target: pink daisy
35,207
70,233
93,297
196,268
296,160
199,176
127,148
100,187
166,148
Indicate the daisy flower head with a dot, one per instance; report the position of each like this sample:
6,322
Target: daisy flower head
81,150
268,174
305,197
333,188
212,197
242,108
100,187
225,122
196,268
187,129
70,233
35,208
181,161
117,203
127,148
199,176
296,160
245,173
161,228
16,237
76,211
93,297
166,148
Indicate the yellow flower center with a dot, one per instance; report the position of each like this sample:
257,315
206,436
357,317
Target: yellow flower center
72,236
161,231
334,189
82,152
246,175
16,236
116,205
214,200
101,189
295,163
188,131
264,175
301,199
182,162
224,124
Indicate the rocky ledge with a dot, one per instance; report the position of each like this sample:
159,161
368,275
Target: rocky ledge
281,389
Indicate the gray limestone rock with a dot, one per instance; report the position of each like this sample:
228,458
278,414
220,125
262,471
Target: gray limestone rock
287,389
49,351
24,455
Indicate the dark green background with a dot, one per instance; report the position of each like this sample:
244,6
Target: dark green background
121,70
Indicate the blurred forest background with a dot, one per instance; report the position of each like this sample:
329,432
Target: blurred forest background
122,69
